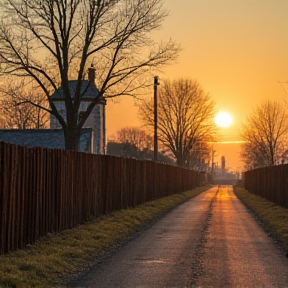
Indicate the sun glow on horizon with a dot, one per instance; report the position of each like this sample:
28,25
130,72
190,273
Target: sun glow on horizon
223,119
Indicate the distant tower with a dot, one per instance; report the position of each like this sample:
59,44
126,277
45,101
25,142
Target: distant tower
96,119
223,165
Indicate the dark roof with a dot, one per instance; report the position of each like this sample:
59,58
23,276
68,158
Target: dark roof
91,92
49,138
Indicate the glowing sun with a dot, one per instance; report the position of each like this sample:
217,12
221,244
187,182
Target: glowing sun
223,119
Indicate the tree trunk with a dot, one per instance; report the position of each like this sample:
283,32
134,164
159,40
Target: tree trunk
180,161
72,138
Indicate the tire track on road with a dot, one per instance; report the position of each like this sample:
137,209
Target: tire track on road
160,256
197,258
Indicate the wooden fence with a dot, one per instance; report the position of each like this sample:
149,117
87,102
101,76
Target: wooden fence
47,191
270,183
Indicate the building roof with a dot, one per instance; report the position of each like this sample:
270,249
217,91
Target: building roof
90,94
48,138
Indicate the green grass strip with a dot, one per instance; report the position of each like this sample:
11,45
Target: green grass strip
55,257
274,217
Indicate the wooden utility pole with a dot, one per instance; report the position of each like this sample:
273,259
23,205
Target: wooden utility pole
156,83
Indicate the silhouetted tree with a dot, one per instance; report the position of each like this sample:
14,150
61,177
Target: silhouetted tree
185,117
16,109
50,41
137,143
135,136
265,133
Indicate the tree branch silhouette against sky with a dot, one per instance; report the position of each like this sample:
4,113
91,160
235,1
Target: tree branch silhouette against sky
52,42
236,49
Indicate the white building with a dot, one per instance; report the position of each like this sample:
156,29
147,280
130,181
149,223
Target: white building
96,119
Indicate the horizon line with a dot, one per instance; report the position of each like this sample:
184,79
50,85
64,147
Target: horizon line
229,142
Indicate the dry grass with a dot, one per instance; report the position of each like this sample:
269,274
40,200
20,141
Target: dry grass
56,256
274,217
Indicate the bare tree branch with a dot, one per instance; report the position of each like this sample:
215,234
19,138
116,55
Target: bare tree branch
48,41
22,109
185,117
265,133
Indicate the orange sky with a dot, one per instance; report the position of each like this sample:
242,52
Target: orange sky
237,50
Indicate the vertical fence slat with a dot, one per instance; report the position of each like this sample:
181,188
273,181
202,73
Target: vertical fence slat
270,183
45,191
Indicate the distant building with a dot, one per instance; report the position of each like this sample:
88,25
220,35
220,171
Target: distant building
131,151
93,135
223,169
96,119
48,138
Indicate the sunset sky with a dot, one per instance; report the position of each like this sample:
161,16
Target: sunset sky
236,49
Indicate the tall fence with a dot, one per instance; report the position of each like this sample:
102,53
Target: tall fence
46,191
270,183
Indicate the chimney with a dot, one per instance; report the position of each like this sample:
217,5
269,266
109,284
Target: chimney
91,74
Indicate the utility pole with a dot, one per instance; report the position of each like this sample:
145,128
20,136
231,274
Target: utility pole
156,83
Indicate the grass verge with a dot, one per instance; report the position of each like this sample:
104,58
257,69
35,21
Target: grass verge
55,257
273,217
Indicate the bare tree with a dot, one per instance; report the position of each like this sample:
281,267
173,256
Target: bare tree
265,133
137,143
16,109
51,41
185,117
136,136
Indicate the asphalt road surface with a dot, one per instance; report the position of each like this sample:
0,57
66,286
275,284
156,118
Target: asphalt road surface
209,241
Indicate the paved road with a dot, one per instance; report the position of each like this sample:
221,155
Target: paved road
209,241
